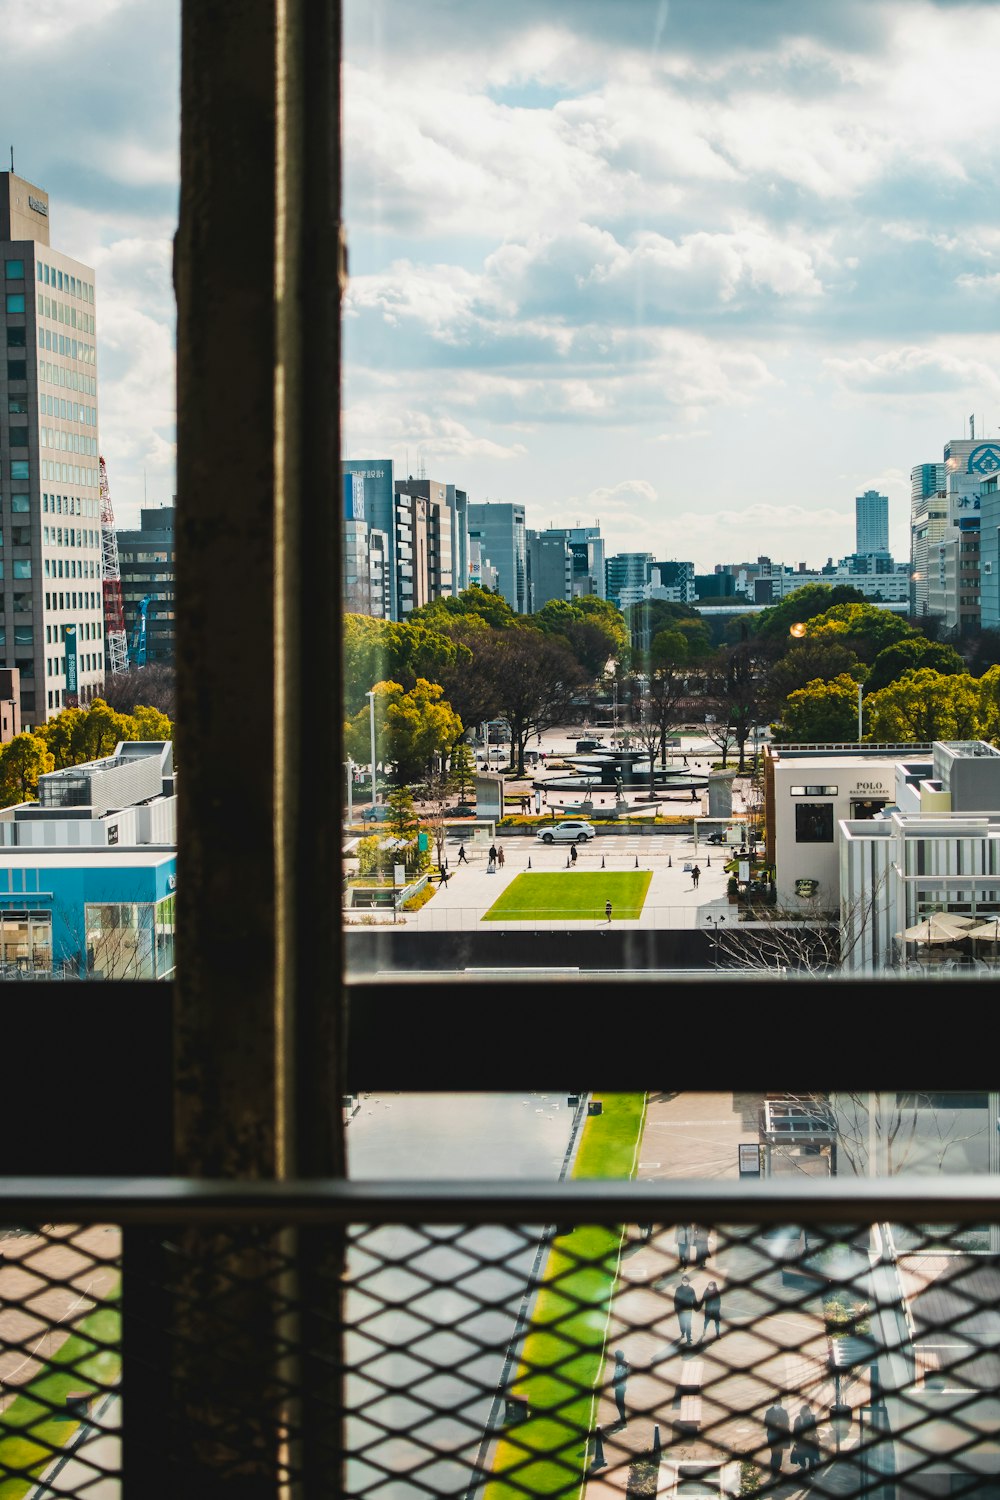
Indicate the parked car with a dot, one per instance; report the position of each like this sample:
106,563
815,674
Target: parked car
716,838
463,810
569,831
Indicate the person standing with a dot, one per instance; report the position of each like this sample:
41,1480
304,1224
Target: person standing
500,855
806,1450
695,876
618,1381
682,1241
711,1306
607,910
685,1302
572,854
700,1241
492,858
776,1430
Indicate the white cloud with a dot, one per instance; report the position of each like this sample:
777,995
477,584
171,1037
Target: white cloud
917,371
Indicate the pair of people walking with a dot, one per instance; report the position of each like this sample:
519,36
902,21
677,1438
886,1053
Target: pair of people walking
779,1432
692,1237
686,1304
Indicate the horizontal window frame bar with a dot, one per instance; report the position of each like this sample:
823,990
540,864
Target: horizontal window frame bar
964,1198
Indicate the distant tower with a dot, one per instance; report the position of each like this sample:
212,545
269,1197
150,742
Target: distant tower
114,615
872,522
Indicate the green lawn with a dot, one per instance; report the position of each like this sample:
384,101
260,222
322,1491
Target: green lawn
572,895
88,1360
564,1349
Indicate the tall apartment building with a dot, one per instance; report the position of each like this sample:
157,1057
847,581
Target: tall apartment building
147,560
625,574
953,562
377,539
498,527
52,620
550,568
871,522
928,522
433,514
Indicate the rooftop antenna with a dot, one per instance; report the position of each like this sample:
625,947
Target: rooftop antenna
12,159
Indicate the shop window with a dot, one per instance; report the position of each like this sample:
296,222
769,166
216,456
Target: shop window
814,823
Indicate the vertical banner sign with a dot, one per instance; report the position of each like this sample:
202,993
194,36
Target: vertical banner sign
69,641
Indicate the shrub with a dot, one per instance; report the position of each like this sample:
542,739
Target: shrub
750,1477
846,1319
419,898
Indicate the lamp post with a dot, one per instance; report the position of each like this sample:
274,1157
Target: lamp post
371,709
350,791
860,730
713,923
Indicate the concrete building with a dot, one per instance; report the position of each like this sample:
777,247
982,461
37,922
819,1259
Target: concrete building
365,556
989,553
377,501
10,704
89,870
53,619
928,521
435,543
498,527
871,522
953,555
808,791
626,572
550,567
148,566
936,849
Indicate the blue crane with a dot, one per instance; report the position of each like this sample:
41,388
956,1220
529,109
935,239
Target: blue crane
137,645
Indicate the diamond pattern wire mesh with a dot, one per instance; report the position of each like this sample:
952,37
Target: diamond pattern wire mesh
60,1360
859,1360
514,1360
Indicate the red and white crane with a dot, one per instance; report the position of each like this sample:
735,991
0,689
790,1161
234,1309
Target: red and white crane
115,639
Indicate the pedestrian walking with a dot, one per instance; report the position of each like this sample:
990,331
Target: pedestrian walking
572,854
806,1449
492,857
444,877
711,1306
607,910
682,1240
500,855
700,1241
694,795
685,1302
618,1381
695,875
776,1431
463,858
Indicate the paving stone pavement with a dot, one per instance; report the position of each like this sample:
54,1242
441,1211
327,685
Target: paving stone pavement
773,1339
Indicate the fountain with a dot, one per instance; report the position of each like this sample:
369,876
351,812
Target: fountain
620,770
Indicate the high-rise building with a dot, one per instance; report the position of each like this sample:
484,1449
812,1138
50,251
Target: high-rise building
626,573
871,512
498,527
928,522
550,567
52,620
436,545
147,561
378,547
953,563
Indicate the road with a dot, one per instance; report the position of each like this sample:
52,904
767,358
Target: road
439,1307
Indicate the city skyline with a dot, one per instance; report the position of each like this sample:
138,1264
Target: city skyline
684,273
704,273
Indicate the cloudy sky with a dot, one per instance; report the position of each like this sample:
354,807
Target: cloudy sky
89,101
702,270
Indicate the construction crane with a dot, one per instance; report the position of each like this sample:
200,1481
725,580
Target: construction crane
139,632
115,639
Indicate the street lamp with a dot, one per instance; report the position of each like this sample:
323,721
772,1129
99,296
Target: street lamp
860,729
371,709
350,791
713,923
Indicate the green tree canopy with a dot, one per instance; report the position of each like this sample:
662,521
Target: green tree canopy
812,599
865,628
393,651
81,734
410,728
821,656
22,761
493,608
819,713
926,705
909,654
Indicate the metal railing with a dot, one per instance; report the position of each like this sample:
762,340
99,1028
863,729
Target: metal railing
515,1339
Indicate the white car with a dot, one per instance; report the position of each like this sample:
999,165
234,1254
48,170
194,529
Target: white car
569,831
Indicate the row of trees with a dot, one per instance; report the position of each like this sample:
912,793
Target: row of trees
799,665
70,738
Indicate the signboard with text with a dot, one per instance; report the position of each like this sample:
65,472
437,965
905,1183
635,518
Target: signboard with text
69,646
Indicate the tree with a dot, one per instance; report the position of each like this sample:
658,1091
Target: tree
402,819
153,685
812,657
537,681
864,627
926,705
661,675
22,761
908,655
150,724
461,771
392,651
492,608
410,728
81,734
812,599
820,713
738,692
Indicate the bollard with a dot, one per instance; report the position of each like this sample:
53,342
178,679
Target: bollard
568,861
599,1461
637,861
657,1445
670,863
602,861
708,863
529,861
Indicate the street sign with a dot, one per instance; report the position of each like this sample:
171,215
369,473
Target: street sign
749,1160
